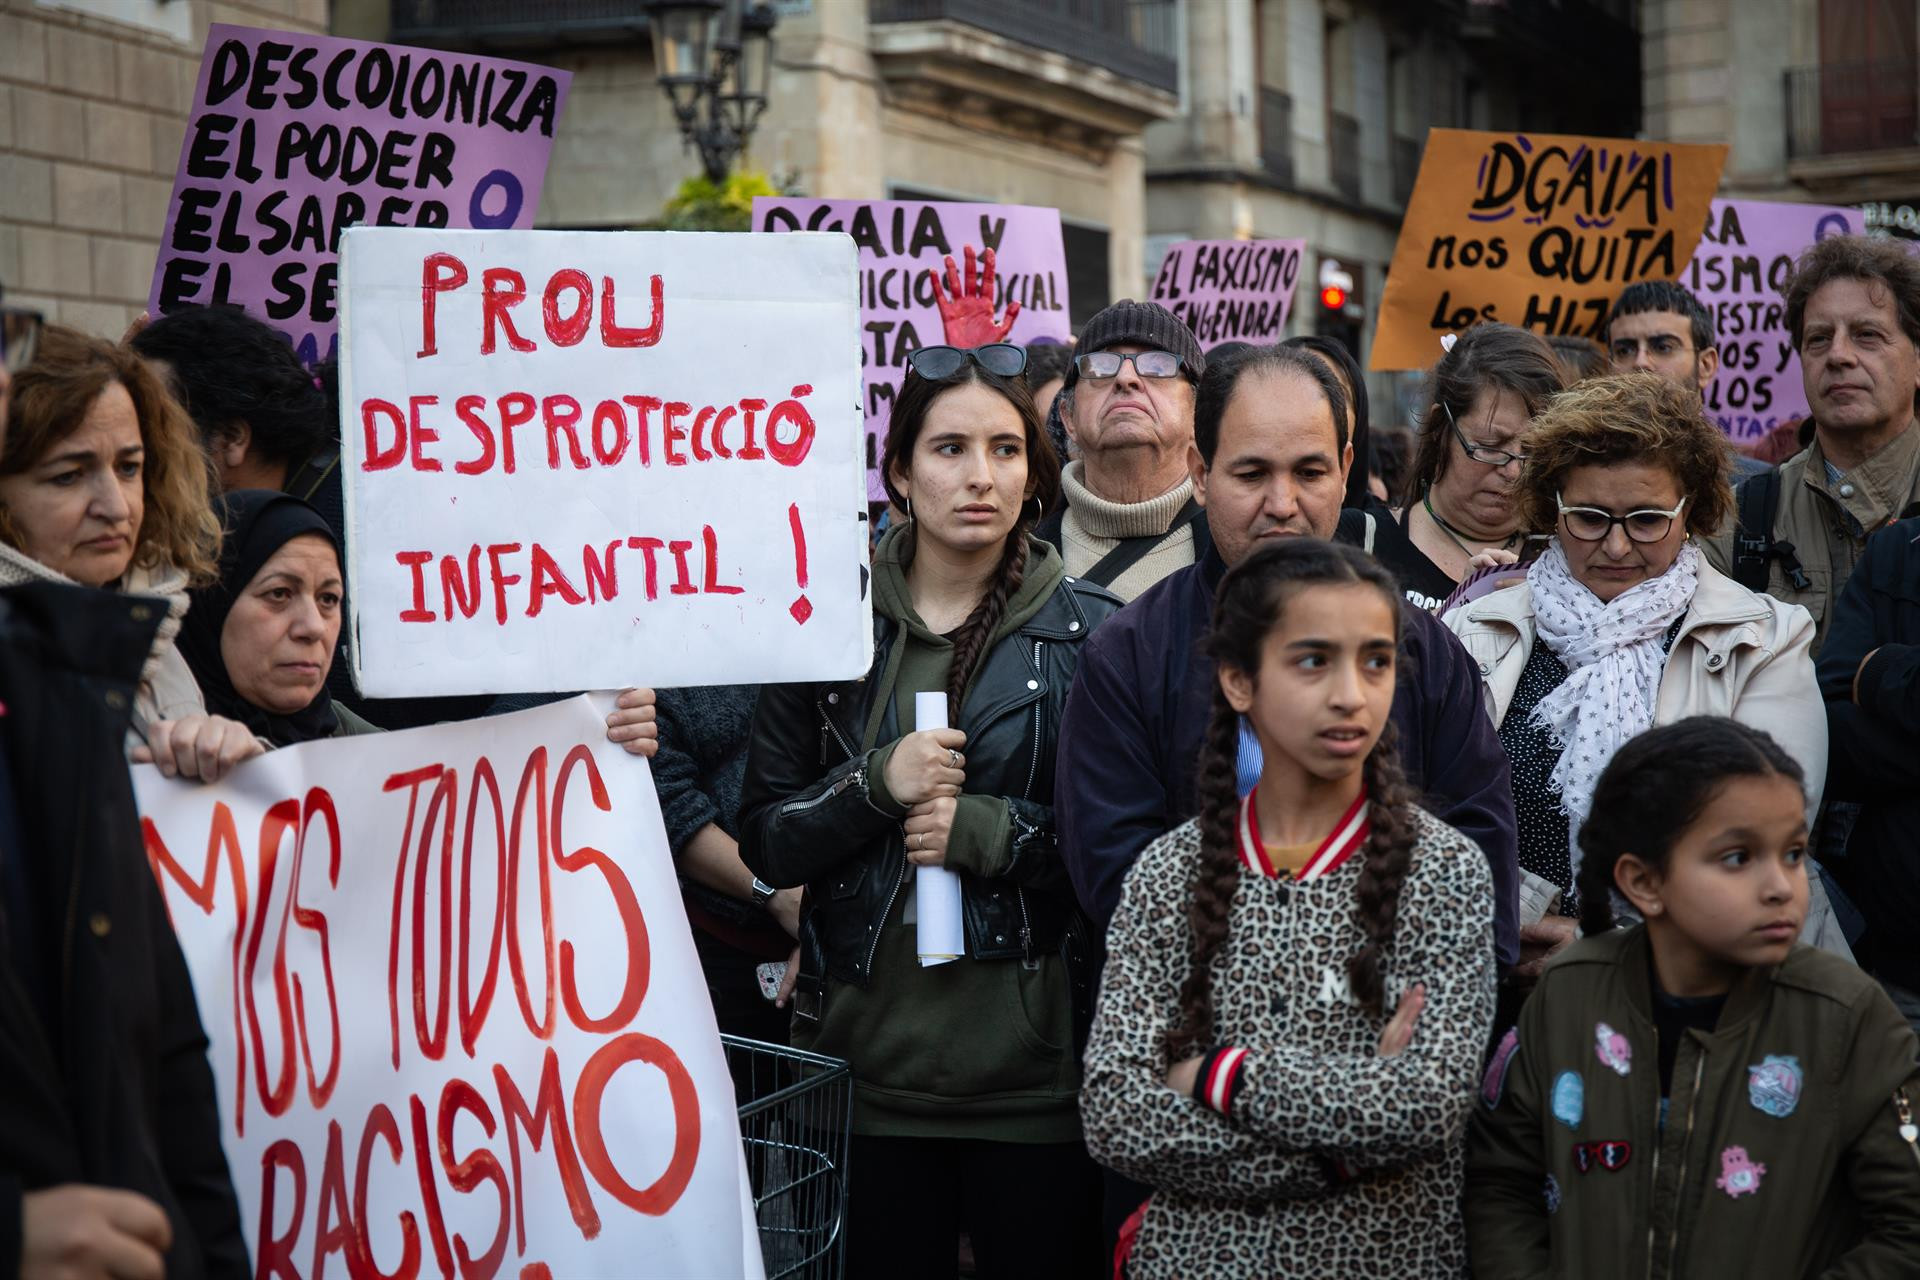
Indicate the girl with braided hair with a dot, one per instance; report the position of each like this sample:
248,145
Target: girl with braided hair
1300,980
966,1074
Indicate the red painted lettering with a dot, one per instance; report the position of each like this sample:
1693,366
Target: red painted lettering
612,335
633,924
502,289
567,330
666,1190
712,585
552,1113
467,1175
439,273
516,410
549,580
562,414
378,459
501,581
275,1255
467,409
417,611
456,593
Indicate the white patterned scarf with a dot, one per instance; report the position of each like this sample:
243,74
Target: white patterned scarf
1614,657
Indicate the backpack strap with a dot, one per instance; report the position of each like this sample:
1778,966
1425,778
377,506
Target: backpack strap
1754,546
1130,551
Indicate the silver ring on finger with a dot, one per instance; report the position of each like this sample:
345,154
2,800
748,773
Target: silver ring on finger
916,840
953,758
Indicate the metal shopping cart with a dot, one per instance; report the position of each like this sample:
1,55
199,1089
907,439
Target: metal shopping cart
796,1115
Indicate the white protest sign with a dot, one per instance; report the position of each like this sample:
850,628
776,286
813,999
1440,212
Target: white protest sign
596,459
454,1007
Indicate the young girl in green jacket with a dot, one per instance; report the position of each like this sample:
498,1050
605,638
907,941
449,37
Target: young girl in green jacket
1698,1095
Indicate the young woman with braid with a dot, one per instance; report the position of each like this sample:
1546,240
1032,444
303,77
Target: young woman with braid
966,1073
1299,983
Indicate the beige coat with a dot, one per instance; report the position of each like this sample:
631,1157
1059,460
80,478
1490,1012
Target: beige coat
1738,654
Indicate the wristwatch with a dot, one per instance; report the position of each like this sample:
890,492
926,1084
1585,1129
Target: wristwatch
762,892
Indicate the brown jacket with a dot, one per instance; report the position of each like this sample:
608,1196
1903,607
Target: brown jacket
1781,1155
1829,524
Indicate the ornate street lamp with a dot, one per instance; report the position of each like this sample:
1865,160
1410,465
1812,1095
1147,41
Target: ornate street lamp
714,60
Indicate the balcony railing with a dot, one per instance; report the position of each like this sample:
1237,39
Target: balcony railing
1406,167
1847,108
457,23
1132,38
1343,154
1276,135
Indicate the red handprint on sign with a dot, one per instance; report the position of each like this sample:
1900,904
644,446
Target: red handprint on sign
966,308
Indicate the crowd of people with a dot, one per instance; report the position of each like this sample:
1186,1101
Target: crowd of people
1483,847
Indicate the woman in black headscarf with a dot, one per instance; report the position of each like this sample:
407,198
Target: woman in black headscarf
261,638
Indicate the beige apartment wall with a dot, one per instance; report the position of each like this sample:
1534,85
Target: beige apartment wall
92,113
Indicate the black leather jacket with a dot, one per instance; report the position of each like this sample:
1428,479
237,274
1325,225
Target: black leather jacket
118,1091
807,817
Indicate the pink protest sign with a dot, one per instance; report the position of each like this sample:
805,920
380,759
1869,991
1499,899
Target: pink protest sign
1231,290
1740,271
899,242
294,138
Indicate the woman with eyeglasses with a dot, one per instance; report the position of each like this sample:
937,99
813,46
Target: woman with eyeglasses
1621,624
966,1074
1481,399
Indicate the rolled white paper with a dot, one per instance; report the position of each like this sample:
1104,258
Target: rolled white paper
939,934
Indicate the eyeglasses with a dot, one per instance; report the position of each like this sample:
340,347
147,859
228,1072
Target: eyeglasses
1609,1155
1485,455
1660,345
937,364
19,336
1591,524
1102,365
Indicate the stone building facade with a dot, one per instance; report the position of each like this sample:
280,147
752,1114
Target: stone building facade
1307,118
1818,98
1039,102
94,96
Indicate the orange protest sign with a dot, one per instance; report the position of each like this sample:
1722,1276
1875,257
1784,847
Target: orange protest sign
1539,230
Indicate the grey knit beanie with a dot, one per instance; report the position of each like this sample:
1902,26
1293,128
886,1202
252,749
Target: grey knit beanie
1146,323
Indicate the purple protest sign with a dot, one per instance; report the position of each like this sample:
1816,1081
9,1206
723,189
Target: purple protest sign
294,137
899,242
1740,271
1231,290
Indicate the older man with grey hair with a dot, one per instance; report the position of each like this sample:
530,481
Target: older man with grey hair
1130,518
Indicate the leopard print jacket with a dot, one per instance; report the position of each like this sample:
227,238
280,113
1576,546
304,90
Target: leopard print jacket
1258,1193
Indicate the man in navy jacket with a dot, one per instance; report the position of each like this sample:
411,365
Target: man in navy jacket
1270,459
1869,670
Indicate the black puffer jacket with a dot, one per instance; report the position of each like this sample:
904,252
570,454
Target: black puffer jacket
117,1092
807,815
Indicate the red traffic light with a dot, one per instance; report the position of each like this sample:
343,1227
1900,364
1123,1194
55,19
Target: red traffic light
1333,297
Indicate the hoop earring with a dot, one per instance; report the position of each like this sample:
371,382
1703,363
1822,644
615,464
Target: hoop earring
908,502
1038,510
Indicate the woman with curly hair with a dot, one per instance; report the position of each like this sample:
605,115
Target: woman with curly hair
1621,624
1299,982
103,484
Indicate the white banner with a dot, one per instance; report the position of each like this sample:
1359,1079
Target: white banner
463,1031
581,460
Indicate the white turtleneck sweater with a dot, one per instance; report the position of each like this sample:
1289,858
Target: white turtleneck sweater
1093,527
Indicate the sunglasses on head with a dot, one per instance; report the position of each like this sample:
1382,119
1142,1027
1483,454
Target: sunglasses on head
937,364
1101,365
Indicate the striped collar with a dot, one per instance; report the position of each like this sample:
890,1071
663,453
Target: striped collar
1348,835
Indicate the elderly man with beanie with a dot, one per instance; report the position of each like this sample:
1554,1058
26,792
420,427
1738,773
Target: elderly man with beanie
1130,518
